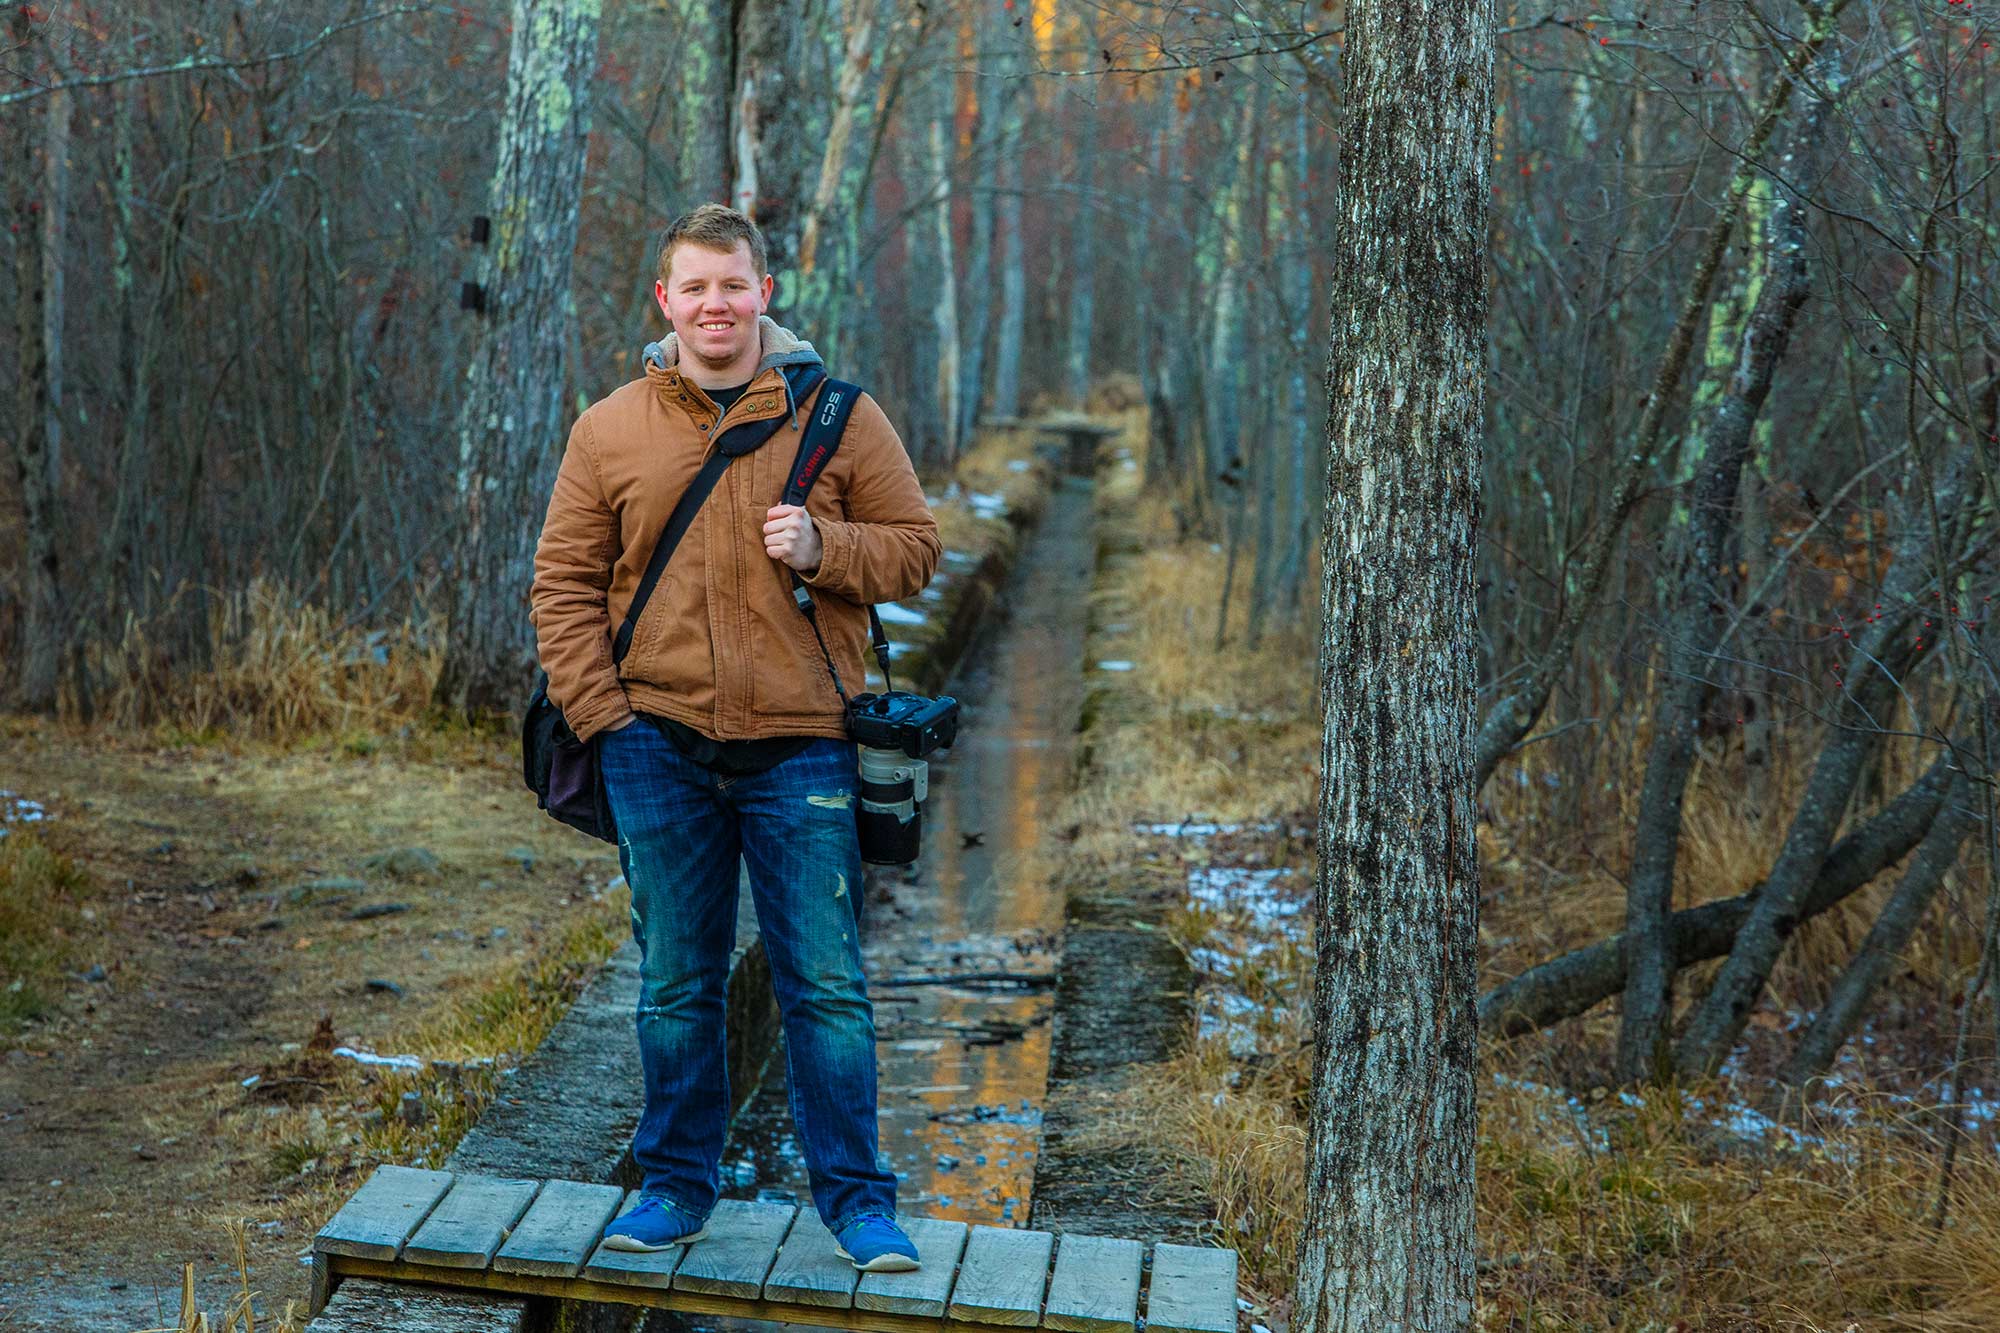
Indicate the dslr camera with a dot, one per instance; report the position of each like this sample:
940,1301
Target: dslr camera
893,733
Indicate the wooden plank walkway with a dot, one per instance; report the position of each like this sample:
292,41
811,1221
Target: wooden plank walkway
764,1261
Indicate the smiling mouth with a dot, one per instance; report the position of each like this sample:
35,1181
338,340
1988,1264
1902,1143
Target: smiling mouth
715,328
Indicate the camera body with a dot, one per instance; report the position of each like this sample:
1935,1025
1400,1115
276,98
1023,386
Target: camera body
893,733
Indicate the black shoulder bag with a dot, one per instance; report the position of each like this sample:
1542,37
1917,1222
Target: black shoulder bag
561,770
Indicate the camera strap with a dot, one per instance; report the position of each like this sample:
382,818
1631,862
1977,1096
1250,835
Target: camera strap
816,449
731,445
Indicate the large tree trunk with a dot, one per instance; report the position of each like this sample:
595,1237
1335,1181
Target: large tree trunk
782,119
827,239
1644,1039
704,66
511,422
1387,1236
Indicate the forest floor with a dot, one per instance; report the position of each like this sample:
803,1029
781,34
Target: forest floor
1706,1206
232,898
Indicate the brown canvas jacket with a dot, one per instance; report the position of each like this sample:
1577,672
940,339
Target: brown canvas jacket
720,645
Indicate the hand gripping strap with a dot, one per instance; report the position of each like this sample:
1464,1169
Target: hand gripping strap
731,445
817,447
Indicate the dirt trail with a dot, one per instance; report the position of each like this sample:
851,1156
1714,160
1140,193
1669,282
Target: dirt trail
236,904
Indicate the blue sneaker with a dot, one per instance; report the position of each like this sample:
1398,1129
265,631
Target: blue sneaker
654,1225
875,1244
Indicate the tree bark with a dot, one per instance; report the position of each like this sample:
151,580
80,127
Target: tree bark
510,423
1386,1241
1013,259
988,32
1569,985
705,67
35,447
826,241
1083,246
782,121
1644,1049
1296,276
944,314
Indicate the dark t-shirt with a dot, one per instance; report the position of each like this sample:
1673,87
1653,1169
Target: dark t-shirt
735,758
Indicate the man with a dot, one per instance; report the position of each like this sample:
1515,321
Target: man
721,734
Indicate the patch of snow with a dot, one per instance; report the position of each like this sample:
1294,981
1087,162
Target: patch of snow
1253,893
1114,664
411,1062
987,505
957,558
893,614
1212,960
1186,830
19,810
1235,1024
1019,465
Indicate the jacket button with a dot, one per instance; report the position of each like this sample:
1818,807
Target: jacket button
704,425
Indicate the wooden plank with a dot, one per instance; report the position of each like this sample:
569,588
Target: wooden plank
560,1229
809,1268
742,1241
469,1223
391,1203
380,1307
1096,1285
1002,1278
1193,1290
939,1244
582,1289
632,1267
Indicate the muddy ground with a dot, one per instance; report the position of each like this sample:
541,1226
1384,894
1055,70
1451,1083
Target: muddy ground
239,896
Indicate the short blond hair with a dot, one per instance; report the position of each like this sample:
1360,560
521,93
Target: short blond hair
713,227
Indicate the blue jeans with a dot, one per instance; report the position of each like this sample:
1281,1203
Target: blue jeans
681,829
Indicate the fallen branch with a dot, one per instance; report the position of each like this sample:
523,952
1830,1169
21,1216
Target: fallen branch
1567,986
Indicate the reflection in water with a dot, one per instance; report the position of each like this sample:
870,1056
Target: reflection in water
964,1061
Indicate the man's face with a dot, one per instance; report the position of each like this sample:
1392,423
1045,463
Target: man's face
713,298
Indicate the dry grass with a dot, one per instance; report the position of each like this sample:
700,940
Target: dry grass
281,669
241,1311
1594,1212
45,908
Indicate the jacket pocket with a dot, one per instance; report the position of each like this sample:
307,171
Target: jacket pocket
641,659
794,683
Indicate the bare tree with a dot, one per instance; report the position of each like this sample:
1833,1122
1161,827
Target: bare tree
37,222
513,409
1387,1236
